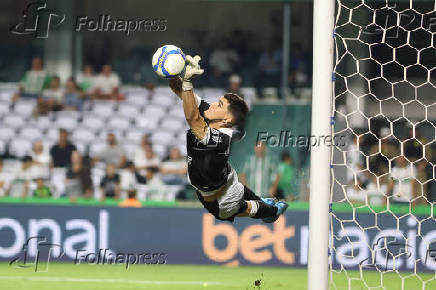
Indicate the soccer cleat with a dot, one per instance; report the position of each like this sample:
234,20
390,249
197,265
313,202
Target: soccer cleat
281,208
269,200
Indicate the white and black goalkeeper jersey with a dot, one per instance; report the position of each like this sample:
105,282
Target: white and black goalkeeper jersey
207,159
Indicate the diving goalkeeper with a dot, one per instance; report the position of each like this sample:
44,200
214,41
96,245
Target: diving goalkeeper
213,127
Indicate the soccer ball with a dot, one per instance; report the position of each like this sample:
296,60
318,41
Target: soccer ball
168,61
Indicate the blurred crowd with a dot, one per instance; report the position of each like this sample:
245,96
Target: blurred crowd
385,171
39,172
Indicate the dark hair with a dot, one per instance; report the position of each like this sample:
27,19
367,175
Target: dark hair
27,158
285,155
237,107
131,193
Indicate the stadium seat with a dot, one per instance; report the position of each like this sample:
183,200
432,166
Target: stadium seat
6,133
93,122
103,108
162,90
69,114
134,136
146,122
66,122
30,133
130,150
43,122
160,150
164,100
20,147
2,147
82,135
183,150
128,110
212,93
138,100
82,147
95,148
154,111
177,112
13,121
163,137
24,108
102,136
4,108
52,134
118,123
172,125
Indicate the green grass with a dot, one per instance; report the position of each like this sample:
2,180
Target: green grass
168,277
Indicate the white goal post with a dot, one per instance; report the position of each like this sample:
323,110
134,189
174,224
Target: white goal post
322,98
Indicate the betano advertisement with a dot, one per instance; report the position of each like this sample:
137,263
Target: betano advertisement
191,236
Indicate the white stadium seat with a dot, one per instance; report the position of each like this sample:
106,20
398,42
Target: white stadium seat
4,108
66,122
118,123
147,123
134,136
43,122
138,100
20,147
13,121
162,90
172,125
163,138
83,135
6,133
24,108
2,147
154,111
164,100
82,147
93,122
30,133
104,108
119,134
128,110
130,150
52,134
177,112
68,114
160,150
96,147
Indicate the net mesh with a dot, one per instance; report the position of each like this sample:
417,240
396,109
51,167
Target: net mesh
383,227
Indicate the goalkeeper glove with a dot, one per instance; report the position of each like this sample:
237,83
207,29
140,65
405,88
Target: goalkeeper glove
192,69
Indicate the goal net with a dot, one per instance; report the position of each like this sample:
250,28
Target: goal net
383,191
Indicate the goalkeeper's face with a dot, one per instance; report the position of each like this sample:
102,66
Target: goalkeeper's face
219,111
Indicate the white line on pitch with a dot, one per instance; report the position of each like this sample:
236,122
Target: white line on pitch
66,279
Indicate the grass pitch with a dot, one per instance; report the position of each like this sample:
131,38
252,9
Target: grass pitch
105,277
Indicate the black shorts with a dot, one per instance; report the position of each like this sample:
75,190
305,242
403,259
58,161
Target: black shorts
213,206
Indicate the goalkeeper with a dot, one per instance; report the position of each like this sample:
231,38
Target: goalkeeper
213,127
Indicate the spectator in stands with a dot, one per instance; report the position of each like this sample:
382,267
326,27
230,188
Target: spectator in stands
298,76
222,61
283,187
130,177
269,68
110,184
51,98
86,80
113,153
42,190
19,186
174,170
41,160
61,153
235,85
4,180
145,157
258,170
154,182
34,81
131,200
107,84
403,184
78,180
73,97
